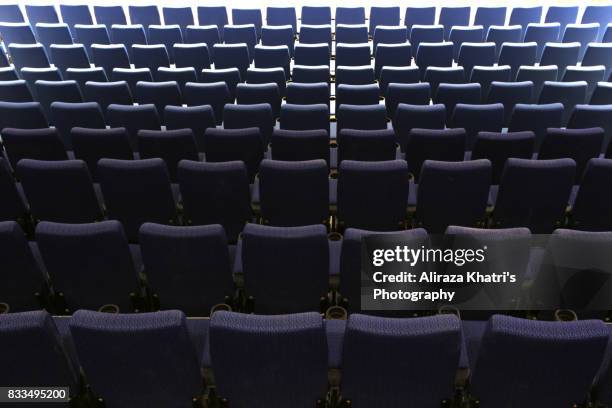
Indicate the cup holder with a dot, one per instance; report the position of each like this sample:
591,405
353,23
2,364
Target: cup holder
448,309
334,236
110,308
4,308
220,307
336,313
565,315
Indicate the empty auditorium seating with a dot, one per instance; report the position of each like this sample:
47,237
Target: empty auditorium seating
177,160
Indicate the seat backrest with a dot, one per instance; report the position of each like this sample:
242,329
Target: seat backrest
181,16
245,144
439,181
408,117
22,115
350,15
145,15
67,115
536,118
294,193
12,206
581,145
215,193
22,277
91,145
490,16
196,55
453,16
477,118
382,354
452,94
66,56
597,14
214,94
242,346
137,191
523,16
11,13
383,16
497,147
133,118
391,55
109,15
38,144
259,115
90,264
360,187
509,94
110,57
195,256
363,117
305,117
107,93
197,118
523,202
59,191
585,116
563,15
518,54
299,145
232,56
17,33
366,145
41,14
433,144
32,338
213,15
28,55
156,347
280,16
591,211
15,91
549,349
170,145
314,15
569,94
269,252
